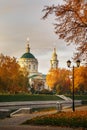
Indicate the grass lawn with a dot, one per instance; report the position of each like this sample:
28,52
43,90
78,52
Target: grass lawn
39,97
26,97
79,97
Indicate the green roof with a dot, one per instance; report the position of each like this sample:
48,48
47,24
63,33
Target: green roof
27,55
33,76
36,75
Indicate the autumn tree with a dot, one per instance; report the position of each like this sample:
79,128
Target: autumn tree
38,85
64,82
81,79
58,79
71,24
52,78
12,79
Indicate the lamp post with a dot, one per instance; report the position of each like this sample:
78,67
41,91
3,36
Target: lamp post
69,64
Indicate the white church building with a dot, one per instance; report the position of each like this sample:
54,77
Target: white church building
30,62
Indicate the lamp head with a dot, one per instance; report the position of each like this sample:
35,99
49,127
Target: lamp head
68,63
78,63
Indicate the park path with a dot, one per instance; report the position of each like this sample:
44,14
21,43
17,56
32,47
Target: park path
37,128
20,118
13,123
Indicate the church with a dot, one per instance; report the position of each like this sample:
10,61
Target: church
30,62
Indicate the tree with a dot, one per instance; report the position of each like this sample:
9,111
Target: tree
12,79
64,83
52,78
71,24
59,80
81,79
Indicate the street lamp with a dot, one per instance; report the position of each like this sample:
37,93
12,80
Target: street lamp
69,64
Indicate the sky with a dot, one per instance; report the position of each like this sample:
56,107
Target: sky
20,19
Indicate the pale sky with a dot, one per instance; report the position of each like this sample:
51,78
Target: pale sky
20,19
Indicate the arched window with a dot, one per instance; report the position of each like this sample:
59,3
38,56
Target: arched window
34,67
29,66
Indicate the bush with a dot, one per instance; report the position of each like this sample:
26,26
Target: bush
68,119
46,91
84,102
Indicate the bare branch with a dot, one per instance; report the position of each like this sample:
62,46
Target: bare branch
71,23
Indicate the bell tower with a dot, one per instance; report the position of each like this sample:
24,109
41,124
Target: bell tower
54,60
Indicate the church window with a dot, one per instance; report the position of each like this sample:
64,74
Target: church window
29,66
34,67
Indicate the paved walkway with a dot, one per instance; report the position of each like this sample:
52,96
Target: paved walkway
37,128
20,118
14,122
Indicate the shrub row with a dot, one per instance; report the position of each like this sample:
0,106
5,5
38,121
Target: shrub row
84,102
68,119
27,97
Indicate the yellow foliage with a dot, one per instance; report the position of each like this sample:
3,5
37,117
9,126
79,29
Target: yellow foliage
71,24
52,78
81,77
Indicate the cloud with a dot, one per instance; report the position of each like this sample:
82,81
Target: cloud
20,19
